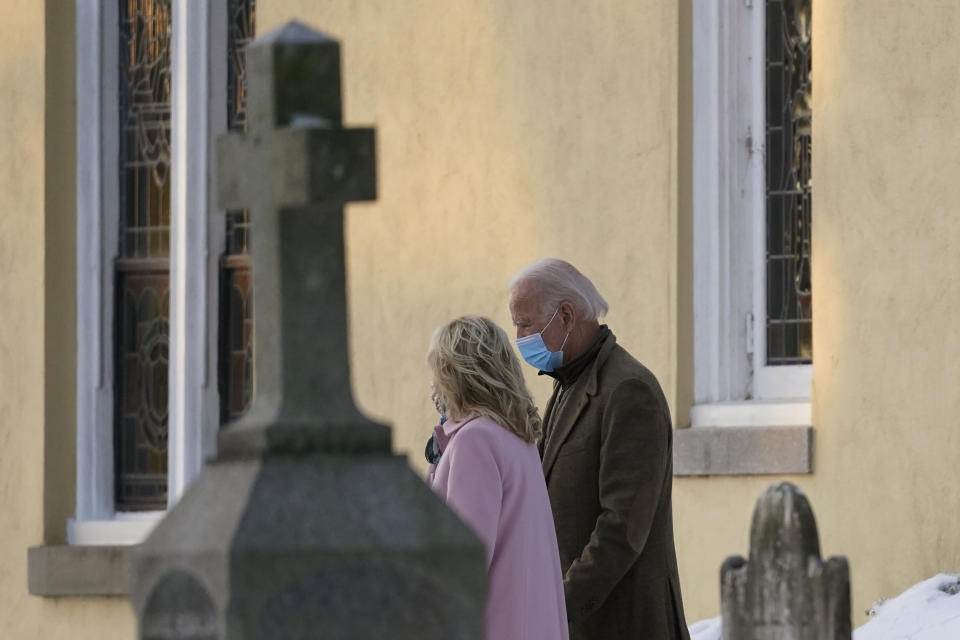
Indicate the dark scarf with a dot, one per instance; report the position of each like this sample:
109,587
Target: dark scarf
567,374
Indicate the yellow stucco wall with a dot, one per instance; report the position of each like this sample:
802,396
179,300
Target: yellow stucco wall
21,298
507,131
512,131
37,346
886,350
502,139
887,252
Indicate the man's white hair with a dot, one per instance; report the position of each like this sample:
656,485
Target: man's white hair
554,281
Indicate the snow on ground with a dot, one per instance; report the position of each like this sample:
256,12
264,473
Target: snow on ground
929,610
709,629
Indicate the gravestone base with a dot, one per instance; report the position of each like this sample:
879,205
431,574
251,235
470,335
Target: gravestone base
317,546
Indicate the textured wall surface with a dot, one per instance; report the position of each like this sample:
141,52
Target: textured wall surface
503,139
886,350
507,132
510,131
886,240
21,301
36,323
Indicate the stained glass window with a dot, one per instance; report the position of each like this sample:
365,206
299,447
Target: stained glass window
142,270
236,295
789,296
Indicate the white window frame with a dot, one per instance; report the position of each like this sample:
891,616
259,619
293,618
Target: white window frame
197,236
733,384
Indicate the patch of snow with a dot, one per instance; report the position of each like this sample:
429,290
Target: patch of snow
710,629
929,610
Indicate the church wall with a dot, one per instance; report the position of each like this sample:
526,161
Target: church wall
36,331
60,274
502,139
510,131
886,240
886,350
507,132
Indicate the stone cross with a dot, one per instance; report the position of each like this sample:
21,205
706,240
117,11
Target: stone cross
785,591
305,525
294,169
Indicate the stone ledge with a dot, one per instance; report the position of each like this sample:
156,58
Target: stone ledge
64,570
726,451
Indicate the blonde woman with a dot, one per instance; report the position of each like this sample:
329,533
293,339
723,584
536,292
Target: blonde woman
489,473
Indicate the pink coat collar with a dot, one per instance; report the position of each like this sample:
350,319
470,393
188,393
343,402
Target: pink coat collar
445,432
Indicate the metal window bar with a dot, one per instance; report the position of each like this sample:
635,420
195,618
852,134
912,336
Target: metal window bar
142,273
789,325
236,272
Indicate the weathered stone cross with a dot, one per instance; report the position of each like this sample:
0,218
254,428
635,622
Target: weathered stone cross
294,170
305,525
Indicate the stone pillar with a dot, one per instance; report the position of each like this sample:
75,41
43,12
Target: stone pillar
305,525
785,591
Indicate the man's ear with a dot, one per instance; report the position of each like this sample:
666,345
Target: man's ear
568,316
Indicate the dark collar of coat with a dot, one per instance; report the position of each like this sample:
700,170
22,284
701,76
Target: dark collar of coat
594,369
568,374
582,390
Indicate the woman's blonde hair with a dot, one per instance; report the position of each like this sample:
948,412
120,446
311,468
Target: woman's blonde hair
475,372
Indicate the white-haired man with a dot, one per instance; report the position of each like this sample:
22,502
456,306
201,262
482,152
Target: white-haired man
607,458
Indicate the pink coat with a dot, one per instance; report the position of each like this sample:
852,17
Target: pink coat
494,481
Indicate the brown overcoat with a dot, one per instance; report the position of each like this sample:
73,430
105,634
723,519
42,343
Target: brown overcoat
608,461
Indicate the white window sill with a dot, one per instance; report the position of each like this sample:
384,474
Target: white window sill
762,413
68,570
95,560
746,438
123,529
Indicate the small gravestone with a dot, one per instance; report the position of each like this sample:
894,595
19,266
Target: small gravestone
785,591
305,525
179,607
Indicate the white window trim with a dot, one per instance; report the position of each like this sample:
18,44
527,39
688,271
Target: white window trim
198,235
732,385
96,249
120,529
197,240
772,413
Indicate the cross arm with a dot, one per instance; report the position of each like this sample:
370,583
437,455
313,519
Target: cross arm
314,166
306,166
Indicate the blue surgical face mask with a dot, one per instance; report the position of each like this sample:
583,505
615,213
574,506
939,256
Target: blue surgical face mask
535,352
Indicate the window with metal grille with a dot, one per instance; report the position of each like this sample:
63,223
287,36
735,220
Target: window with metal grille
236,273
752,216
142,269
789,323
